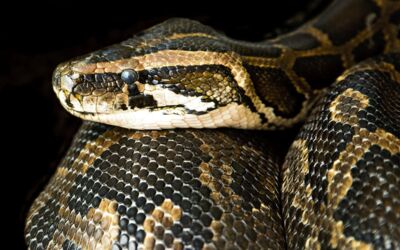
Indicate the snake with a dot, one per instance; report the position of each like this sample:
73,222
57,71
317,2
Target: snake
181,147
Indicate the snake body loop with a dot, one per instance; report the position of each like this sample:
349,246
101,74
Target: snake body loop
336,188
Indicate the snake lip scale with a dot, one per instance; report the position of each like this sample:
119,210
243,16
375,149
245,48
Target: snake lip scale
140,175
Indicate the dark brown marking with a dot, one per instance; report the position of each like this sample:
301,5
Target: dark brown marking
299,41
345,19
319,71
276,90
395,18
370,47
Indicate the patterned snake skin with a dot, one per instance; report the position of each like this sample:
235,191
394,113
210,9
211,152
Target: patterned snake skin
337,187
341,181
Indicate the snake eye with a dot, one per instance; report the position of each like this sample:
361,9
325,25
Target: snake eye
129,76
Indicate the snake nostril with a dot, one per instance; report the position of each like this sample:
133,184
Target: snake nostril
64,78
58,74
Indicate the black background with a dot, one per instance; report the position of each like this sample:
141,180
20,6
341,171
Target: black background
35,130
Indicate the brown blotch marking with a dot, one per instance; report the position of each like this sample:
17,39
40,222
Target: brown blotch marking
163,216
107,228
293,183
98,229
357,147
59,186
354,151
225,197
207,179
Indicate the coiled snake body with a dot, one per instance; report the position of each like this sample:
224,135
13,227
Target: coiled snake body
337,187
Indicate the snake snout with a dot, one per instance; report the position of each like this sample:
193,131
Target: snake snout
63,78
64,82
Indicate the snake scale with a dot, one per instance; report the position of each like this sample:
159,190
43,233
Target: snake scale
155,181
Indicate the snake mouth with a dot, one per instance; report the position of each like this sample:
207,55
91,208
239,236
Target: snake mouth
77,106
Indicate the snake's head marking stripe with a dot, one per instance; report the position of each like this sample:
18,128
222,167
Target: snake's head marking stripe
177,76
140,97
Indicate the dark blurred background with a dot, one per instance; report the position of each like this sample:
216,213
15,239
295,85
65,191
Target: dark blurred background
35,130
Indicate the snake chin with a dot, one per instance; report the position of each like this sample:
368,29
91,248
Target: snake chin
144,119
170,117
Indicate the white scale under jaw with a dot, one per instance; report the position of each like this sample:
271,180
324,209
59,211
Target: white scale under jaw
165,97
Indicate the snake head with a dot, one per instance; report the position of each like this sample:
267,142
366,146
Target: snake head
176,74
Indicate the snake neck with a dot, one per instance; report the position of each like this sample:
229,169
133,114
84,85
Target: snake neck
288,72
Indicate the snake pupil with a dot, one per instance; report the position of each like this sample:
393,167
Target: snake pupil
129,76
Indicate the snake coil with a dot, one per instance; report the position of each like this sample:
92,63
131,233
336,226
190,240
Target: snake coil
134,185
